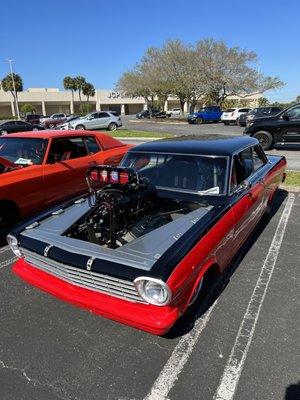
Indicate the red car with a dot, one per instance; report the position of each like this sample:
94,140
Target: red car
39,169
146,248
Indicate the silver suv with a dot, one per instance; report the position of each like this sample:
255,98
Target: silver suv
97,120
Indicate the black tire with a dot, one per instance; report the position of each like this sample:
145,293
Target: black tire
80,128
226,123
265,139
112,126
199,120
237,121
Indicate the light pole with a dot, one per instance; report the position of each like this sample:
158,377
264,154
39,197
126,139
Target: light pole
14,86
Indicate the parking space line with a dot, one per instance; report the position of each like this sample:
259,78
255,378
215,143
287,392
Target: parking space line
4,249
169,374
7,262
233,369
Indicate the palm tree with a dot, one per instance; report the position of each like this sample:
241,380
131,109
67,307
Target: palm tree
8,85
70,84
88,90
80,82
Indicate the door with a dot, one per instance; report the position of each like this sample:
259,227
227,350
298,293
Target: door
290,127
102,120
64,170
249,191
91,121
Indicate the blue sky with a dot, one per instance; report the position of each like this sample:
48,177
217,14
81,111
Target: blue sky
100,39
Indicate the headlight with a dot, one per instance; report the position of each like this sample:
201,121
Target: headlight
154,291
13,244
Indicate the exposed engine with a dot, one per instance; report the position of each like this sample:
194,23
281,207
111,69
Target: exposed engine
120,198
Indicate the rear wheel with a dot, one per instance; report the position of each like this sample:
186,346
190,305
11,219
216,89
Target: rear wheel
226,123
80,127
265,139
112,126
51,126
199,120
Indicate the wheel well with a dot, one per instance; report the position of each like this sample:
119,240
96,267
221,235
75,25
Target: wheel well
11,210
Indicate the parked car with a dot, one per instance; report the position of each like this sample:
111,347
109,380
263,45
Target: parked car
175,112
33,118
282,128
206,114
232,115
53,120
97,120
261,112
145,249
147,113
66,125
18,126
43,168
161,114
242,120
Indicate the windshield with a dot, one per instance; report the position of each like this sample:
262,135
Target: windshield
23,151
183,173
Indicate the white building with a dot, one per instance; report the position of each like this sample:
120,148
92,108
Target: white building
47,101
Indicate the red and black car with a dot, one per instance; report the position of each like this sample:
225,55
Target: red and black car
148,241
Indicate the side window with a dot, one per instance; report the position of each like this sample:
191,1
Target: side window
258,160
247,158
103,115
66,149
238,172
294,113
92,145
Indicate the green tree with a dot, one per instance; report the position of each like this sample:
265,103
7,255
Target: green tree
27,108
89,91
263,102
80,81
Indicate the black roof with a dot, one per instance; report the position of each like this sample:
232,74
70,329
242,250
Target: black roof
220,145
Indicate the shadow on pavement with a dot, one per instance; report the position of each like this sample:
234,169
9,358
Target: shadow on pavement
186,323
293,392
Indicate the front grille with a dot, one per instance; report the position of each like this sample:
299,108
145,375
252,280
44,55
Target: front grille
90,280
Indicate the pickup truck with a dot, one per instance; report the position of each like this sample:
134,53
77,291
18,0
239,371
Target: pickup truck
205,114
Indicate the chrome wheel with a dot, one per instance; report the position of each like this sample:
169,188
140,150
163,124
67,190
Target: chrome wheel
112,127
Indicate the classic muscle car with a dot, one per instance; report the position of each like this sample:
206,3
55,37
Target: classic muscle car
142,246
40,169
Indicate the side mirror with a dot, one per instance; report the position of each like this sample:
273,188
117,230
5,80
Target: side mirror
285,117
246,185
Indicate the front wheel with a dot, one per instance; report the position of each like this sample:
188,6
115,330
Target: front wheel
265,139
3,132
199,120
51,126
112,126
226,123
80,128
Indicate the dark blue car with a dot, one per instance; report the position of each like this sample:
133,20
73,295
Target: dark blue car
205,114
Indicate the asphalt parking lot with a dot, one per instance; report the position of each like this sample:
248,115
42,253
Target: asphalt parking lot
130,122
242,344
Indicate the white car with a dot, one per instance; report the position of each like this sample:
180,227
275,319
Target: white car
97,120
175,112
232,115
54,116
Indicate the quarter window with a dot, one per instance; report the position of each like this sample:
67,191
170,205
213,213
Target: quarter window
258,160
92,145
103,115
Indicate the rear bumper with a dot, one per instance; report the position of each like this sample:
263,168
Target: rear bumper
156,320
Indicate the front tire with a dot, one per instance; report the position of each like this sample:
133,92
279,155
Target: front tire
199,121
80,128
226,123
265,139
112,126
